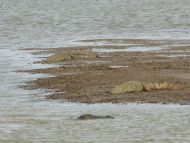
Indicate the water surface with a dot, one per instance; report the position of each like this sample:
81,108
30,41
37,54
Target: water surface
26,116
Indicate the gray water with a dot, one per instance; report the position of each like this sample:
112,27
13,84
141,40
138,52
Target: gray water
26,116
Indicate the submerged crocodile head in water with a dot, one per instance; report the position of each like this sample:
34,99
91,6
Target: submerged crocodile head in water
93,117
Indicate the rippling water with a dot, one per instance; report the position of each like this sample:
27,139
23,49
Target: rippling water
25,117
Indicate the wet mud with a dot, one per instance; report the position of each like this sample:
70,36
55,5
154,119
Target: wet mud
88,76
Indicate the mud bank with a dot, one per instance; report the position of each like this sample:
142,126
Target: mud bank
88,76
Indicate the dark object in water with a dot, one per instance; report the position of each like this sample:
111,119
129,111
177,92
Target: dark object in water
93,117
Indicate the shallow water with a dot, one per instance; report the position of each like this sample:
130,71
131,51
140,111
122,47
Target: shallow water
25,116
129,49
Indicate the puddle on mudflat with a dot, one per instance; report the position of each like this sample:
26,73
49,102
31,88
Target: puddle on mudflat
130,49
97,62
174,56
114,67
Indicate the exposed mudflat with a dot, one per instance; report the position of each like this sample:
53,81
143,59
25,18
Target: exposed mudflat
90,73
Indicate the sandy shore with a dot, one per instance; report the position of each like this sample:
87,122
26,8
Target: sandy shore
88,74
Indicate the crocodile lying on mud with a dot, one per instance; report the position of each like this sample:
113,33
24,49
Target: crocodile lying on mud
138,86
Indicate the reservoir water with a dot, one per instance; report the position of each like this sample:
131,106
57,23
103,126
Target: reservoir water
26,116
